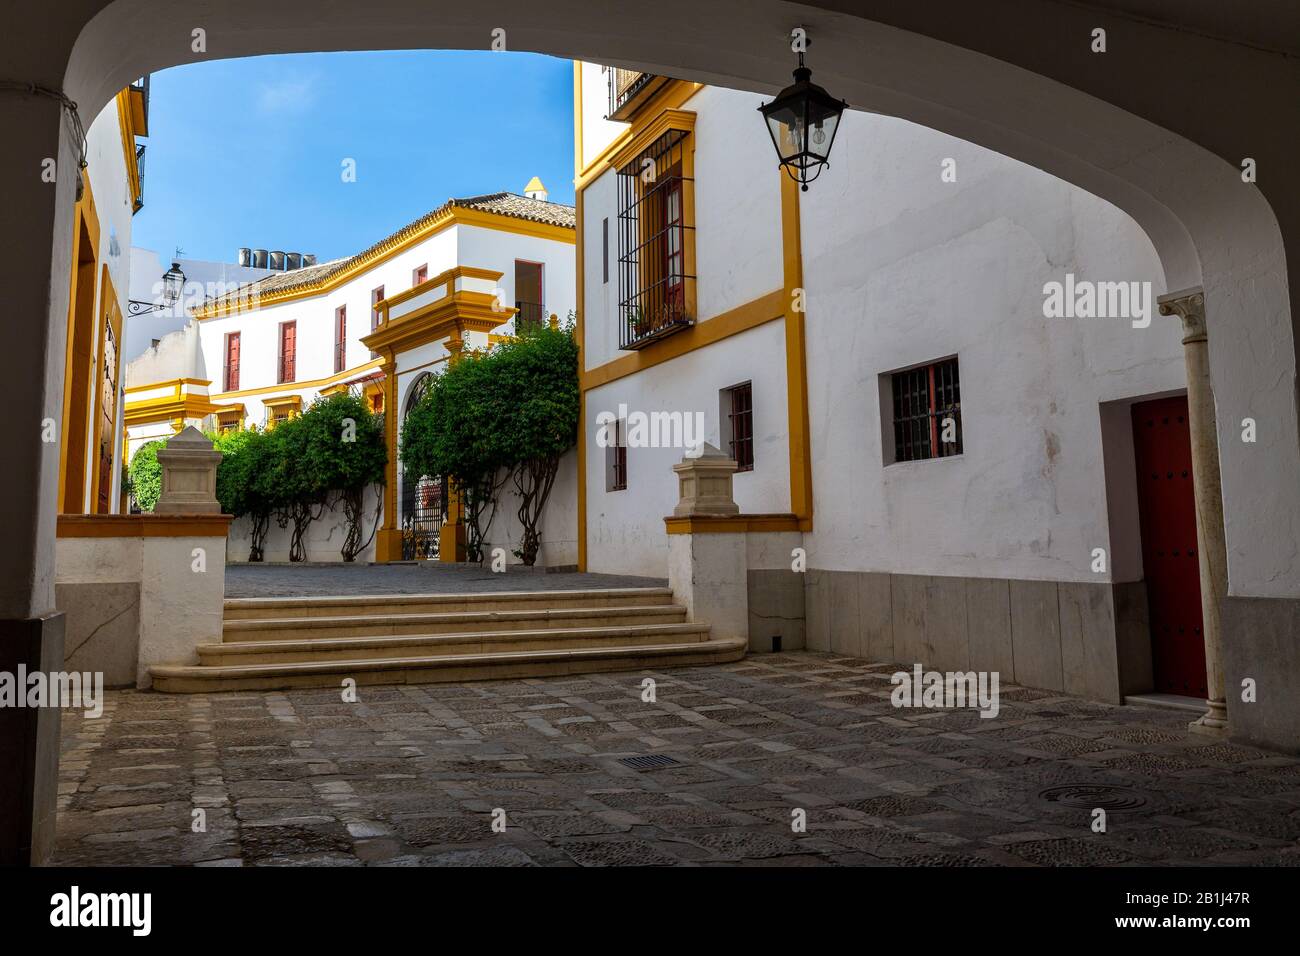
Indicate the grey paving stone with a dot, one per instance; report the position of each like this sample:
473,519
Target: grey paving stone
410,775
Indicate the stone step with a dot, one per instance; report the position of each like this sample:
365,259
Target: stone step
559,661
373,624
421,645
335,606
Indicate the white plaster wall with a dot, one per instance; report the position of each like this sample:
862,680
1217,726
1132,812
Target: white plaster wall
903,269
900,269
737,202
498,250
597,131
323,540
600,298
203,279
178,354
559,525
180,606
625,529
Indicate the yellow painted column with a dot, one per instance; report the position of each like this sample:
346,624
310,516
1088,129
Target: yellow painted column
451,536
796,363
388,542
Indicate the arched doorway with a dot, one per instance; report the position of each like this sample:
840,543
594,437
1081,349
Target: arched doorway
1158,127
423,506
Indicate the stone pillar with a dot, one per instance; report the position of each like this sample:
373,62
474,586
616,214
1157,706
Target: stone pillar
708,569
1189,305
189,475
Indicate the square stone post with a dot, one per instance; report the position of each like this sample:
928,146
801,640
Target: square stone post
189,475
707,570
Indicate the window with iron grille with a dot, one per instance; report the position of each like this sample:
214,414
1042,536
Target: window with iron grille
616,458
340,338
655,234
738,424
288,351
927,411
604,250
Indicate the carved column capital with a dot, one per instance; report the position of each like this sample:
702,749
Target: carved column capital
1188,305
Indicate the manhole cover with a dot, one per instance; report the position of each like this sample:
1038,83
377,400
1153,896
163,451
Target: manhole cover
649,762
1094,796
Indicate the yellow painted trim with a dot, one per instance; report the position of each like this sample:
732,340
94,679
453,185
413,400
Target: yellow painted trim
168,409
579,266
669,119
283,401
447,278
126,125
735,524
312,383
451,315
452,216
143,526
175,384
760,311
796,359
111,320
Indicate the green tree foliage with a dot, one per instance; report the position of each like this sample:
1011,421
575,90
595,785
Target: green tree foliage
343,451
246,456
537,403
505,414
145,475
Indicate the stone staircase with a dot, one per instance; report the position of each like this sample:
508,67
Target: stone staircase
283,643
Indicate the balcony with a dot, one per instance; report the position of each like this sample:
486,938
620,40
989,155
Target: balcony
138,97
629,90
137,201
529,315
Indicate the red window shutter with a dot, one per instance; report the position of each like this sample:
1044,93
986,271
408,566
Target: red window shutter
232,362
376,296
288,351
340,338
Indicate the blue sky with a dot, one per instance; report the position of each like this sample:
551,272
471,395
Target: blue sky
249,152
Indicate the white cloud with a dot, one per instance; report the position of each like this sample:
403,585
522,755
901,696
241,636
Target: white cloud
287,95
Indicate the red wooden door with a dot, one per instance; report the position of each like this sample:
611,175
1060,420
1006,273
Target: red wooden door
1170,560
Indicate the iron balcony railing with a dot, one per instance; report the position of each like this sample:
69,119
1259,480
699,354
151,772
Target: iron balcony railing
529,315
625,89
138,200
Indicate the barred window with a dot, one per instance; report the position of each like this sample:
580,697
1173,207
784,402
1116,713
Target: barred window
655,241
616,457
738,424
927,412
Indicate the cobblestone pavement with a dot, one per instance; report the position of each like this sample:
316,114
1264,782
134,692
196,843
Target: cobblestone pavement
411,776
278,580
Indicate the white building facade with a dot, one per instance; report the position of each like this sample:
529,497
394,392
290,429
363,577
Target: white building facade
461,277
931,468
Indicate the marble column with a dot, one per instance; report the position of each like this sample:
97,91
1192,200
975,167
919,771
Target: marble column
1189,306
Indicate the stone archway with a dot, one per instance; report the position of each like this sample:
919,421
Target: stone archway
1159,128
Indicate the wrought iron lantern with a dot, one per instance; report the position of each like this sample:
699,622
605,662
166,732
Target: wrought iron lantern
173,283
802,120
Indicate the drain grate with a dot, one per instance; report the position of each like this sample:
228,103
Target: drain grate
1095,796
649,762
